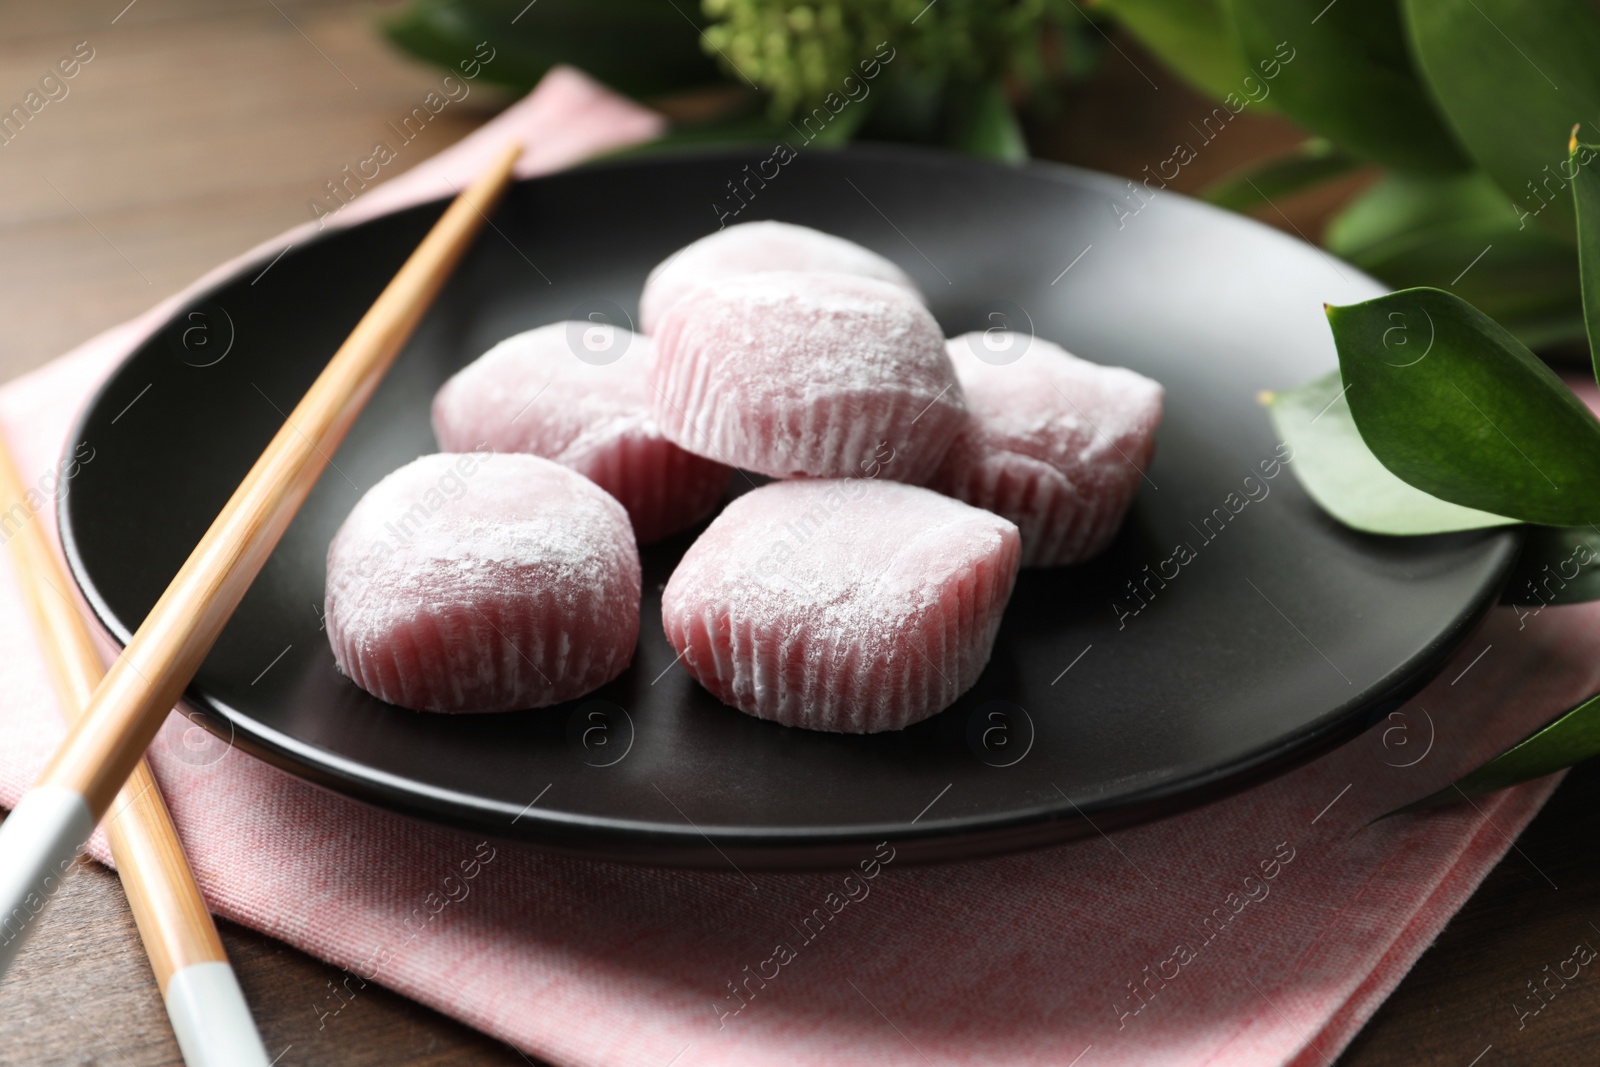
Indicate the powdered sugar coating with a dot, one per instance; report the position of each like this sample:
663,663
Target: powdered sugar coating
545,393
1054,443
850,605
807,374
752,248
482,582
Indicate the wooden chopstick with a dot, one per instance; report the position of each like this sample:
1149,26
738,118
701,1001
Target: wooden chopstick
39,838
208,1010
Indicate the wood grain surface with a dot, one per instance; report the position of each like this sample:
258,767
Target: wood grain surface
202,127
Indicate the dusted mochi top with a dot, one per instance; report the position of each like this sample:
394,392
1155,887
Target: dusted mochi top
754,248
484,582
851,605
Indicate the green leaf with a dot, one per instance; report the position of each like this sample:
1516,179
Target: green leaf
1189,36
638,47
1512,78
1459,232
1403,205
1586,208
1559,565
1346,74
1526,281
1456,406
1314,162
1341,474
1571,739
982,123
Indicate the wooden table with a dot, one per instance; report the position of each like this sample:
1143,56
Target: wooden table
201,128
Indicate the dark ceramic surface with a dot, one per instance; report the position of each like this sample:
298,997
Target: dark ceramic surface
1281,636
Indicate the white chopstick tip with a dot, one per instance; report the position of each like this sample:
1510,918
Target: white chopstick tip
38,842
211,1019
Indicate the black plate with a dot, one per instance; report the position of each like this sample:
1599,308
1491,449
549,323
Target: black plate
1283,635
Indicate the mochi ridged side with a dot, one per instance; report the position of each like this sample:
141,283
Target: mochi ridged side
820,375
547,393
1056,444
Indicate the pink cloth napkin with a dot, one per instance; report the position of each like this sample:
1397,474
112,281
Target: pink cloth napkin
1264,929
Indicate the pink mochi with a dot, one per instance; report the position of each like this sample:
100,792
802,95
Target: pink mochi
483,582
563,392
753,248
823,375
1054,443
848,605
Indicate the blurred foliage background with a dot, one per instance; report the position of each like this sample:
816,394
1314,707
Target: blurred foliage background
1438,125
